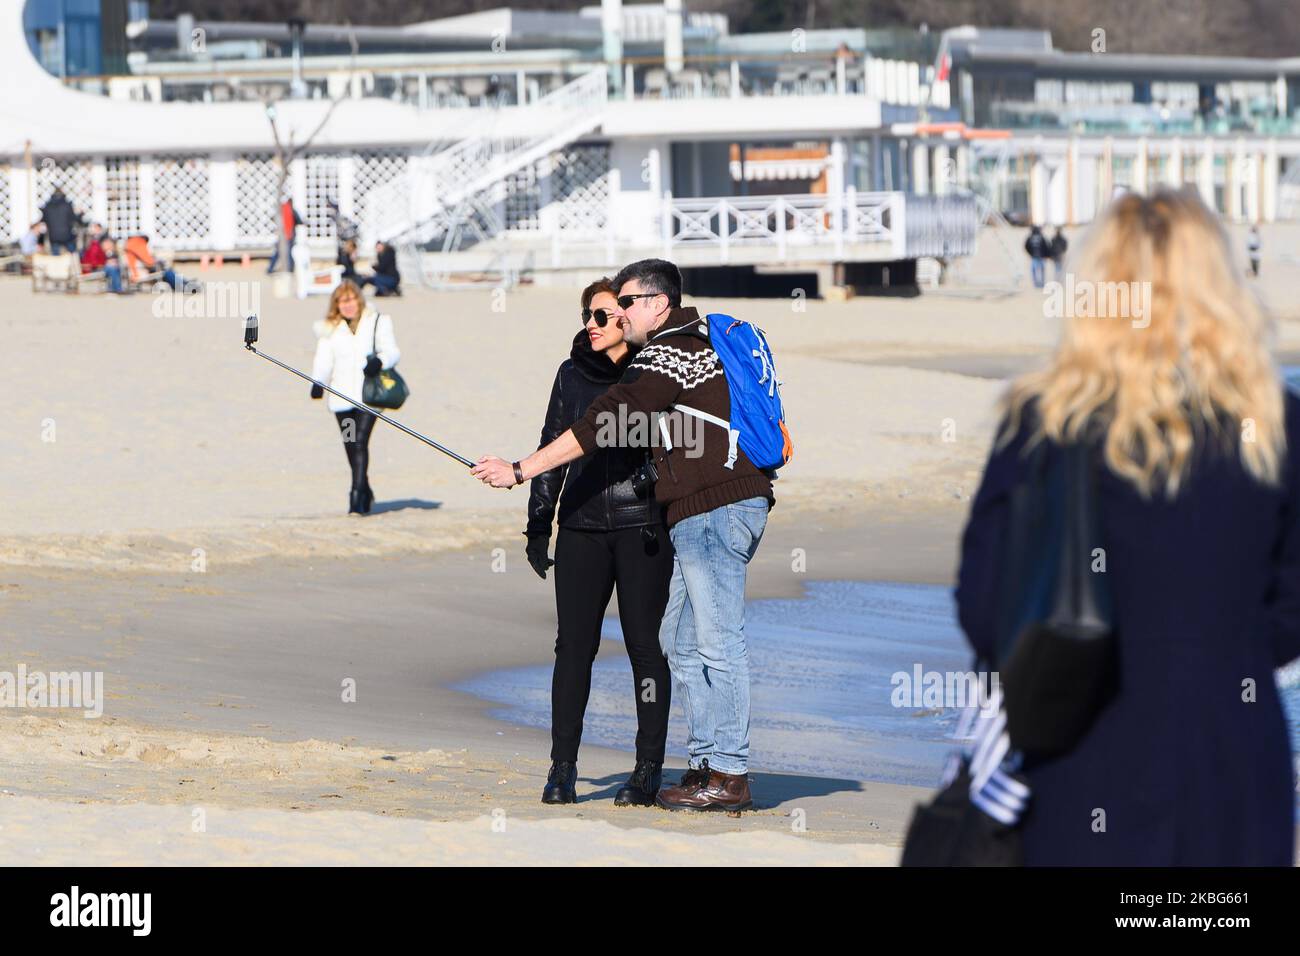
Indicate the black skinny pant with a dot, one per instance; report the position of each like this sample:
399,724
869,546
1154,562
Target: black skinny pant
588,566
356,425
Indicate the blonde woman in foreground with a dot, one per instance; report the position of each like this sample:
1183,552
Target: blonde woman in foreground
1199,494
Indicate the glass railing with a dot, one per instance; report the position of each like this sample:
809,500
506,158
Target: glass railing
1137,122
502,83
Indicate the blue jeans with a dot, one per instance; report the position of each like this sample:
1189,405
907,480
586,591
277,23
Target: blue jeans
703,630
1036,268
384,284
113,278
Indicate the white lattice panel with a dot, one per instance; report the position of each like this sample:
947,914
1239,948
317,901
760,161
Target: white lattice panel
256,179
6,209
521,199
373,169
71,175
322,187
182,204
581,178
122,181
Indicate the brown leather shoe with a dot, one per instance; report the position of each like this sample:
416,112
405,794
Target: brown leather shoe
719,791
694,777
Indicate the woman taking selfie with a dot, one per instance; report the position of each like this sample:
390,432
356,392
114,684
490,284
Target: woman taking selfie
355,341
611,536
1195,446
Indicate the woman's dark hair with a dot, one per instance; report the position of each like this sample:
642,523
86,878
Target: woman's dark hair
655,275
603,284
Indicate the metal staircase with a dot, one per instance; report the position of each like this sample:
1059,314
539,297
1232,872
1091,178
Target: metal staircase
450,198
985,191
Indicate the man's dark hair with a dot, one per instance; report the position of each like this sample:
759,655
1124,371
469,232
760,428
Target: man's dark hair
655,275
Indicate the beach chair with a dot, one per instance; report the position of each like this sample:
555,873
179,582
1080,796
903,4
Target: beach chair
310,280
51,272
96,281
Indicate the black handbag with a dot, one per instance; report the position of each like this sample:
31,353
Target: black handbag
1057,651
951,831
386,388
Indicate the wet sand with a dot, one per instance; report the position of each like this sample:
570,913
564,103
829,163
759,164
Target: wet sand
224,690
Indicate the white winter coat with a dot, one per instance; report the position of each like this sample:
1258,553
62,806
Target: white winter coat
341,356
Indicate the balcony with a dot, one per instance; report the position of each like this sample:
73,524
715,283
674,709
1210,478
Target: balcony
457,81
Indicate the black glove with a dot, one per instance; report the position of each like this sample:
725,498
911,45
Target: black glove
536,551
373,365
317,391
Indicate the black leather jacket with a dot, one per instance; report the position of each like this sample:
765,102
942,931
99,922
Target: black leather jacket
598,493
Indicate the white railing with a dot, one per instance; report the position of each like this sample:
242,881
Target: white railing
424,201
897,82
510,82
831,221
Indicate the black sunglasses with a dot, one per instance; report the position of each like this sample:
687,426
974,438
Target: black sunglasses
601,316
625,301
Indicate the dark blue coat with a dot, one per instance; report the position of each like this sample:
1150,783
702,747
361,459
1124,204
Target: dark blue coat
1206,595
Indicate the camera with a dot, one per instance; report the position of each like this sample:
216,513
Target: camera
644,478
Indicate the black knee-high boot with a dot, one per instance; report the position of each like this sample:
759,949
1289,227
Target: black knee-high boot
355,427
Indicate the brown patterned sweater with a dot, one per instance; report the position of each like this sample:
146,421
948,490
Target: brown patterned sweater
677,367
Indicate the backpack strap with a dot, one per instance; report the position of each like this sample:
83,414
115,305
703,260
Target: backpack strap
733,436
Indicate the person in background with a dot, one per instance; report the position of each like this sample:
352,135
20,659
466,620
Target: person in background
347,259
354,341
386,279
344,228
141,263
1039,249
290,220
112,264
1060,245
612,535
61,222
1200,523
94,233
92,257
1253,246
29,243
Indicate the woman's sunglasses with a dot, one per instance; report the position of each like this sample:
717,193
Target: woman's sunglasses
601,316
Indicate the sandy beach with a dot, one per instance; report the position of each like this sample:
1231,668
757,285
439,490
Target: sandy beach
175,519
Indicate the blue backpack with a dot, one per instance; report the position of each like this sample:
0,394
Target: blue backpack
757,415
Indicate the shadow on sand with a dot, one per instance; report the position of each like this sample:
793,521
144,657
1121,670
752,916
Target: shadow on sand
404,504
769,789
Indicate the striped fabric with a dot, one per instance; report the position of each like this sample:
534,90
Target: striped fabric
994,788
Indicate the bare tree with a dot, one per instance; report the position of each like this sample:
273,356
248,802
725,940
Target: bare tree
287,150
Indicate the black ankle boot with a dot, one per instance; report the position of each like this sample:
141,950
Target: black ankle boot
641,787
561,783
355,501
367,499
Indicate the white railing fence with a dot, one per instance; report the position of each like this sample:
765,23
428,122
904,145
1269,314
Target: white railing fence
832,221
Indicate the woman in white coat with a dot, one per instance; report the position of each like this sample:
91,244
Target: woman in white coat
355,341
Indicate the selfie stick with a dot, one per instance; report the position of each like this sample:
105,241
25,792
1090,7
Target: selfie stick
250,336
